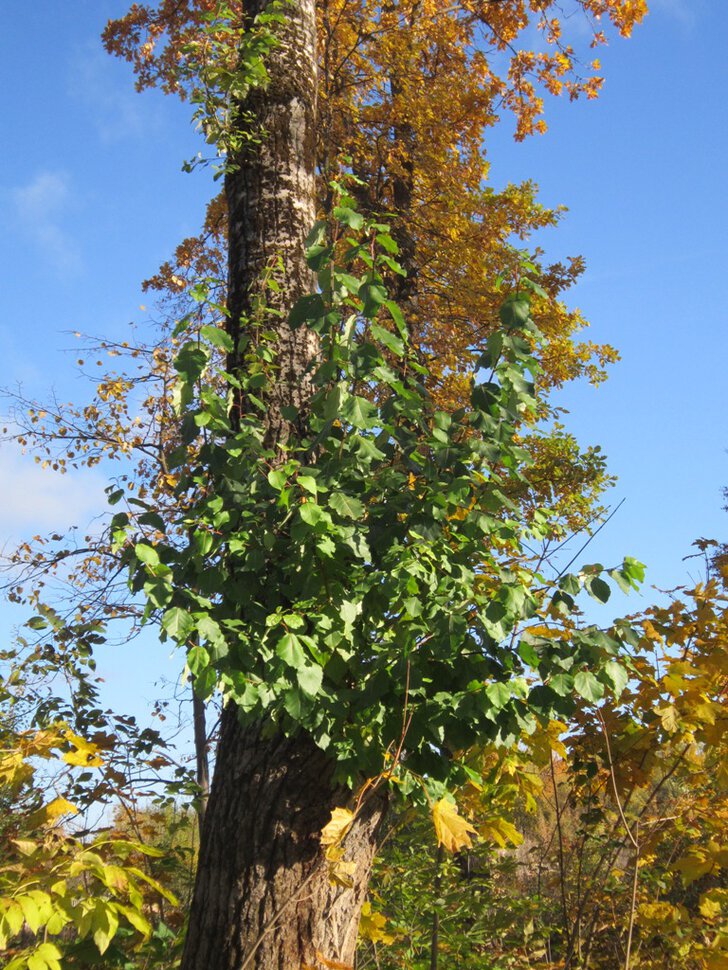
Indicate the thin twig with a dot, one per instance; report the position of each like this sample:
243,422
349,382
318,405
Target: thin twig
632,836
562,872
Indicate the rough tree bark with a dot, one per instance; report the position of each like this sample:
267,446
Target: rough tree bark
262,895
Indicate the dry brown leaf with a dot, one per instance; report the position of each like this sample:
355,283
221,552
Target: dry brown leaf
332,964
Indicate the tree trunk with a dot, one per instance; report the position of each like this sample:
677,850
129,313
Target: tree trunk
202,762
262,897
271,198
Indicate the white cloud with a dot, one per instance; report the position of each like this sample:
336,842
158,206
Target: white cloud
106,89
36,500
39,207
685,11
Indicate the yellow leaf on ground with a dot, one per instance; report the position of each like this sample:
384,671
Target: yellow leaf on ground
452,830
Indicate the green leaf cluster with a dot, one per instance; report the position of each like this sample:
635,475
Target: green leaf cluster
373,564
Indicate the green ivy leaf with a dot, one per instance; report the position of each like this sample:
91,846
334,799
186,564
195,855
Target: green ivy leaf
348,217
617,675
190,362
291,652
197,659
346,505
37,623
205,682
372,296
146,554
562,684
307,310
277,479
178,624
598,588
588,686
308,483
311,513
359,412
310,679
148,518
498,694
515,312
388,339
218,338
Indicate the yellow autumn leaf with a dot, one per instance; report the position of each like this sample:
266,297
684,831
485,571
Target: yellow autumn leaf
694,864
659,913
372,926
713,903
14,770
341,871
58,807
25,846
500,830
336,828
669,718
86,754
452,830
51,812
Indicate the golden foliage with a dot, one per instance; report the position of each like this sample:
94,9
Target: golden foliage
408,92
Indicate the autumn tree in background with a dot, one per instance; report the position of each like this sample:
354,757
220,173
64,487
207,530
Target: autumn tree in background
408,92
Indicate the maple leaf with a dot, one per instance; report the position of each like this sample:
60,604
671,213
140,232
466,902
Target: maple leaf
452,830
372,926
51,812
86,754
336,828
341,871
500,830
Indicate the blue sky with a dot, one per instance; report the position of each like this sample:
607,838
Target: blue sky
93,199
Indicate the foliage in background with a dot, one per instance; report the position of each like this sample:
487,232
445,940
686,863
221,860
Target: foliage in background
637,786
75,889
